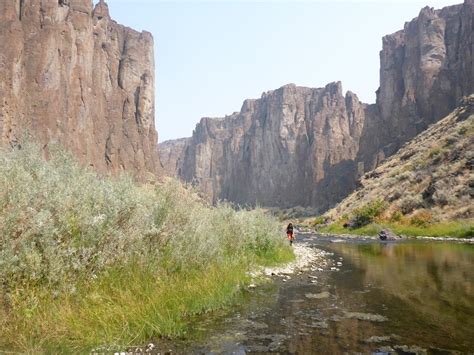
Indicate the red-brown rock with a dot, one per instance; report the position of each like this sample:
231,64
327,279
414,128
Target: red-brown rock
69,73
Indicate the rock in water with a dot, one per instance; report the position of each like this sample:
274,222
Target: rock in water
365,316
387,235
69,73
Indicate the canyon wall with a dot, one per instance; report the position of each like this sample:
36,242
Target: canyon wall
70,74
278,150
308,147
425,70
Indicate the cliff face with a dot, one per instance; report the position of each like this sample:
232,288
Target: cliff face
279,149
68,73
425,69
171,155
301,146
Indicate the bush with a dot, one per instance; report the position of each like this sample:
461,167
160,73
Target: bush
396,216
367,213
443,195
317,221
421,218
409,203
68,236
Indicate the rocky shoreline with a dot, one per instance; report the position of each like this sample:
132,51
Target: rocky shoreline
345,237
308,258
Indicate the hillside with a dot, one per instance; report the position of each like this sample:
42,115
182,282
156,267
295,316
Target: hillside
429,180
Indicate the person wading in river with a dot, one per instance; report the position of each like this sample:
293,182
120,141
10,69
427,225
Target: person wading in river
289,233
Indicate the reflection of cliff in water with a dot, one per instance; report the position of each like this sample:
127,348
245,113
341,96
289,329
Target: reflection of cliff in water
433,281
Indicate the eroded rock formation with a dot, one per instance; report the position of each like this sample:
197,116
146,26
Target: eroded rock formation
171,155
69,73
276,151
425,69
301,146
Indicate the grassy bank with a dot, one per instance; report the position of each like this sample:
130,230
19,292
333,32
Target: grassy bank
88,261
459,229
376,215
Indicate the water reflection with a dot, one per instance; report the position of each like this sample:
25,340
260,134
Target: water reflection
426,290
388,297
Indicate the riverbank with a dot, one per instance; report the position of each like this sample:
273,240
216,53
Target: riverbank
371,297
446,229
87,261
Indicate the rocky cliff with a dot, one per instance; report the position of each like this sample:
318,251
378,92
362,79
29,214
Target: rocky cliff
425,69
302,146
69,73
171,155
278,149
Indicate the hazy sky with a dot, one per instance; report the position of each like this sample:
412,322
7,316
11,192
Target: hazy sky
210,56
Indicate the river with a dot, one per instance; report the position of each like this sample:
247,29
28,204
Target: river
372,297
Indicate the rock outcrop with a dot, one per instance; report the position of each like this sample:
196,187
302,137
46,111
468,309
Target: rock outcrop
171,155
69,73
307,147
425,69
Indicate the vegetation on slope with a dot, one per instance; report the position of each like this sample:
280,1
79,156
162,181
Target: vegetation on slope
88,261
427,188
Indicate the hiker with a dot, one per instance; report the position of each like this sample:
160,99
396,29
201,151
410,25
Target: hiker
289,233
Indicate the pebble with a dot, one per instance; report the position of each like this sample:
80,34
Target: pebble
365,316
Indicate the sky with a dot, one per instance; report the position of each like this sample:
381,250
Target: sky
212,55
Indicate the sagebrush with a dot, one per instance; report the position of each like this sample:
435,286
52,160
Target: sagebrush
64,229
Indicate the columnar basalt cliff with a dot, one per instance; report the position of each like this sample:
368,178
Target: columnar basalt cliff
301,146
171,154
278,149
425,69
70,74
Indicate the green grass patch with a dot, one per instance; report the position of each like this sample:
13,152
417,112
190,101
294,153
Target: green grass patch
128,306
459,229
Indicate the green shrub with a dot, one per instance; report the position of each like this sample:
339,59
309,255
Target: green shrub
64,233
317,221
367,213
410,203
396,216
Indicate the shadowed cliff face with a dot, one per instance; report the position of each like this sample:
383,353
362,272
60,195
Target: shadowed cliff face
278,148
301,146
70,74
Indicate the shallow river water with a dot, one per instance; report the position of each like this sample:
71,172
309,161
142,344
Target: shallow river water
391,297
